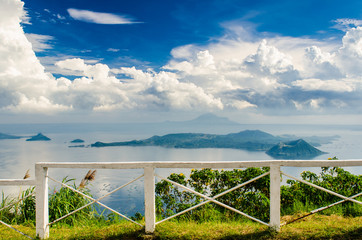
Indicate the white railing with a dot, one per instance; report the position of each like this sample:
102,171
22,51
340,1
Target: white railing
41,172
41,182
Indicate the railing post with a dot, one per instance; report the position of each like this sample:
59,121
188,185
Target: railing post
42,210
150,210
275,197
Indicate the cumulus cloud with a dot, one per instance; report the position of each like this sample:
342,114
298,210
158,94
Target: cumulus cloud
99,17
265,75
349,56
22,77
100,90
74,64
321,65
324,85
269,61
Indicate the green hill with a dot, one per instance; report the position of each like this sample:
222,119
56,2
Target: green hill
253,140
298,149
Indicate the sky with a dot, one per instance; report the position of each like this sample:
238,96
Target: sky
253,61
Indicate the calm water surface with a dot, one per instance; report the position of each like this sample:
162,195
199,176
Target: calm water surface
16,156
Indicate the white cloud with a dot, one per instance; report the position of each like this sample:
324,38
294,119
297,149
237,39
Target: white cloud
200,64
352,42
345,24
99,90
319,64
74,64
237,104
268,60
184,52
22,77
113,50
279,73
324,85
12,11
39,42
99,17
349,56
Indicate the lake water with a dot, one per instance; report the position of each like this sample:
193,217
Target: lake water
16,156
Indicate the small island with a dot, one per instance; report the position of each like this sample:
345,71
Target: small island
38,137
77,141
7,136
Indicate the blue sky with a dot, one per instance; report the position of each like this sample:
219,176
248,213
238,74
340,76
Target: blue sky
160,26
262,61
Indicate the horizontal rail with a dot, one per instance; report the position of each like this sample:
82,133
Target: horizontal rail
200,164
17,182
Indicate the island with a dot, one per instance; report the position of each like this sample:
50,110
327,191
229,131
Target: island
38,137
298,149
77,141
7,136
250,140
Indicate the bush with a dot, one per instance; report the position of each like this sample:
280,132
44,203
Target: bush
61,202
65,201
335,179
253,198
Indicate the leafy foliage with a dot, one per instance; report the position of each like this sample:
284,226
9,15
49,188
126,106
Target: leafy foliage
61,202
65,201
335,179
18,210
252,199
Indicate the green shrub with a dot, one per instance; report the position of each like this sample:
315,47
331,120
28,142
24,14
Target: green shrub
64,201
21,210
18,210
252,199
335,179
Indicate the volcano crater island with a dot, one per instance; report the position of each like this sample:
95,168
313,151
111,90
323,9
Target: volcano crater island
279,147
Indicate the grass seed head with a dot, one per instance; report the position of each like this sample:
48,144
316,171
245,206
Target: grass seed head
91,175
82,183
27,175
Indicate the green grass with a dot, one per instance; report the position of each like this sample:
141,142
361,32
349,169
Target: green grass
312,227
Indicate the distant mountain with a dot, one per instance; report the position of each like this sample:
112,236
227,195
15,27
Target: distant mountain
298,149
7,136
210,118
39,137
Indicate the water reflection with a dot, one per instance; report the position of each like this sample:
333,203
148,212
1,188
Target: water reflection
16,156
